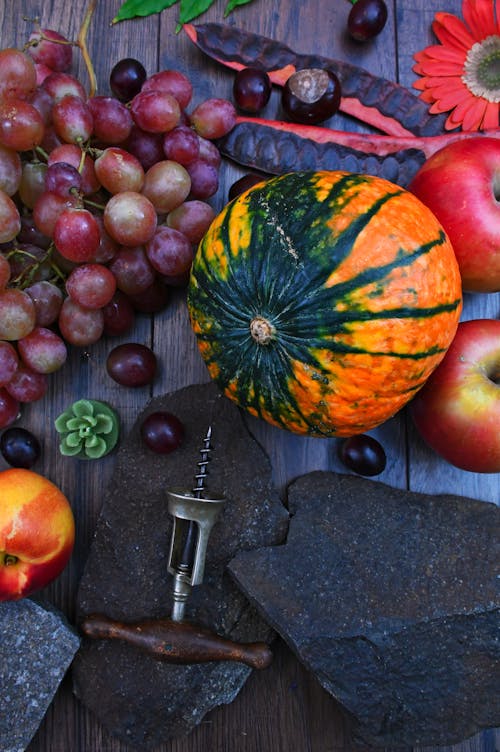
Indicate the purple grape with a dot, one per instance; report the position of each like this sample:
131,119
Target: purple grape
127,78
242,184
118,314
131,364
162,432
63,179
181,144
363,455
19,447
251,89
366,19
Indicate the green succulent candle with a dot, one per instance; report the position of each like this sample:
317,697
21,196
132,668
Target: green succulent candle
89,429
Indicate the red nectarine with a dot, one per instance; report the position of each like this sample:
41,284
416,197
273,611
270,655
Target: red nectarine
37,532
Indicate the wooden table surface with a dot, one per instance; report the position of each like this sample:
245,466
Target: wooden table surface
282,709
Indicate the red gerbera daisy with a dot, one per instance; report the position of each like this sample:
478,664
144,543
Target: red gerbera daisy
462,74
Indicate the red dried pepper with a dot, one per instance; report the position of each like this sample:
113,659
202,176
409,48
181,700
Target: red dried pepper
383,104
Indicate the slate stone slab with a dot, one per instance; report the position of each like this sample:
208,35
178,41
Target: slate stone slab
36,648
390,598
138,699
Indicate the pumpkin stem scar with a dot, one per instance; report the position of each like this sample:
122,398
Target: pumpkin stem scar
261,330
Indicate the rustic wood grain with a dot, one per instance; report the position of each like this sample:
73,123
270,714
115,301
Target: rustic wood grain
282,709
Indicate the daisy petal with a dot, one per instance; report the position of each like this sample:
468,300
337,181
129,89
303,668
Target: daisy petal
478,19
421,57
421,84
445,93
450,124
438,107
420,61
486,17
417,68
426,97
452,31
438,86
435,68
434,81
442,84
473,117
459,112
490,119
438,52
447,100
457,115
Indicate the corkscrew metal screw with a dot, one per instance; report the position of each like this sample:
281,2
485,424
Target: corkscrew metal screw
194,514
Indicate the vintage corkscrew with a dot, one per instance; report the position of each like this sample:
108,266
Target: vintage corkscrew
174,640
194,516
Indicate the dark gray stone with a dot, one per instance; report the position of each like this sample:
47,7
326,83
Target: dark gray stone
389,598
138,699
36,648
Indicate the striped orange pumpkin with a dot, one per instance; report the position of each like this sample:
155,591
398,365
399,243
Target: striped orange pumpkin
322,301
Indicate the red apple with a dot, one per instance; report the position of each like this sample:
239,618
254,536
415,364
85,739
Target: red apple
460,184
457,411
37,532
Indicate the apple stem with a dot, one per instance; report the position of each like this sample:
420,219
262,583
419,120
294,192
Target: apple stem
9,560
493,373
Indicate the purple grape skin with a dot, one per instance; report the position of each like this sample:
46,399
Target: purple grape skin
19,447
131,364
162,432
127,78
366,19
363,455
242,184
251,89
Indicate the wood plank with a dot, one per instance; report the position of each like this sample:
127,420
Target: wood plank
427,472
282,709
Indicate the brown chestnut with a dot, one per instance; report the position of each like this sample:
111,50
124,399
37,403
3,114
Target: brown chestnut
311,95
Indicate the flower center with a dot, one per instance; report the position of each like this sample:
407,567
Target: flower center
482,69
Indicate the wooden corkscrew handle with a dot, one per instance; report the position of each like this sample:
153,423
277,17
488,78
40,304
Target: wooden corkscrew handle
177,642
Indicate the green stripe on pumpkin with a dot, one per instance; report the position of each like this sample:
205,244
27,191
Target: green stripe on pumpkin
282,277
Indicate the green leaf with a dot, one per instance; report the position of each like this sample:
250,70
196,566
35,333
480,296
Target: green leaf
96,450
232,4
104,424
134,8
67,450
61,421
83,408
190,9
73,440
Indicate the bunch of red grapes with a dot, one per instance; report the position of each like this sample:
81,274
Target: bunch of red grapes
103,200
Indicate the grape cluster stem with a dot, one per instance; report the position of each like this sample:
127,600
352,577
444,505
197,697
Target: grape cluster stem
82,44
